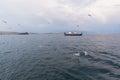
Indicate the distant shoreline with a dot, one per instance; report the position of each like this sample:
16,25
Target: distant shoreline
13,33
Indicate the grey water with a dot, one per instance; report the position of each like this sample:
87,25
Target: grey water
52,57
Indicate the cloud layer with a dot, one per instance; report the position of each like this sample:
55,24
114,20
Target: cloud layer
59,15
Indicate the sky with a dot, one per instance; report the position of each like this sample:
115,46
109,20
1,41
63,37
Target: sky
99,16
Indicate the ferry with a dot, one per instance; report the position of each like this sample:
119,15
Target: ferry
72,34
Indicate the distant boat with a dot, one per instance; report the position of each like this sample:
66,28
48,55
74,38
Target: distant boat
25,33
73,34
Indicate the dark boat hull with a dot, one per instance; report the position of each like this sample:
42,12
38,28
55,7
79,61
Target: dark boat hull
25,33
66,34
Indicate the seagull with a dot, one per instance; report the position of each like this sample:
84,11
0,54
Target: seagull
18,24
77,25
89,15
4,21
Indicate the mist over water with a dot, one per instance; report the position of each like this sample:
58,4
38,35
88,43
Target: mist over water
57,57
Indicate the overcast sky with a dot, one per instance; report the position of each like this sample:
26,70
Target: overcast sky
60,15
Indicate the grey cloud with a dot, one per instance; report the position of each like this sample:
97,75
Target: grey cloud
46,14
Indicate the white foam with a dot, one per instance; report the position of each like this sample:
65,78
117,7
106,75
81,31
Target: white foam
77,54
86,53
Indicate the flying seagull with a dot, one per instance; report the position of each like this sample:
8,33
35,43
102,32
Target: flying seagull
18,24
4,21
77,25
89,15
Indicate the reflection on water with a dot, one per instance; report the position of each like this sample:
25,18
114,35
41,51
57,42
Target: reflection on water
56,57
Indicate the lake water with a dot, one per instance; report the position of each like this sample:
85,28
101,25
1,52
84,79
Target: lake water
56,57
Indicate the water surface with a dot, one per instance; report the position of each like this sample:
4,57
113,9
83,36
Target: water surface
52,57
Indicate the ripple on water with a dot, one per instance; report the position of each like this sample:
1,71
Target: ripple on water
51,57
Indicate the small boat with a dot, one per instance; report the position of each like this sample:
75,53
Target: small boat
73,34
